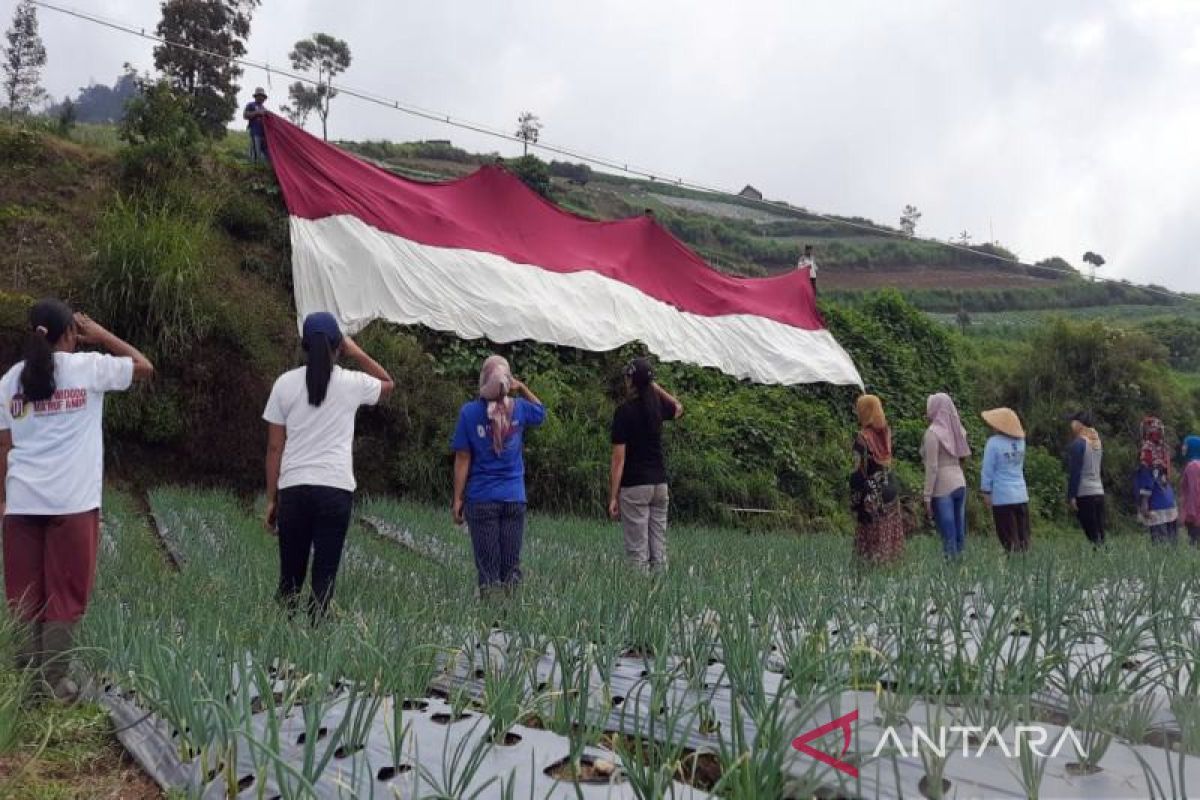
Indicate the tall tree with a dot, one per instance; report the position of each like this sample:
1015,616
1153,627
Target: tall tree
101,103
328,56
1095,260
909,216
529,127
24,57
204,36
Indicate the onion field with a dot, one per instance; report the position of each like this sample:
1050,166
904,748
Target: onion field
1064,673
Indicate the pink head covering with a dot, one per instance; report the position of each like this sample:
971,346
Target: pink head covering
945,424
495,379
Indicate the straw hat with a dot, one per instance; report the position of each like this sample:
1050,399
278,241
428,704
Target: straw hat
1006,421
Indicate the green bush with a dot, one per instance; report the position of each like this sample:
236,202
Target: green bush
533,172
1180,337
148,281
244,216
1121,375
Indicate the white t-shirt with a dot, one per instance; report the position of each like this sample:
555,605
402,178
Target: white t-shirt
809,263
319,450
56,466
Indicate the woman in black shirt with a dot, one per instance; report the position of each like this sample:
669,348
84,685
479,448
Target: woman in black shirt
638,494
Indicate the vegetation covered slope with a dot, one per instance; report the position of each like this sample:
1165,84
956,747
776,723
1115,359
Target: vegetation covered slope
749,237
187,254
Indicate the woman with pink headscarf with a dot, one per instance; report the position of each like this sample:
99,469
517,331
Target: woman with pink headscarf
489,471
943,450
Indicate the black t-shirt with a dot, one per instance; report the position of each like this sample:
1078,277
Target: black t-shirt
644,461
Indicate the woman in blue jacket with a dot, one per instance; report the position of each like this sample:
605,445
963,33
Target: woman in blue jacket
1003,479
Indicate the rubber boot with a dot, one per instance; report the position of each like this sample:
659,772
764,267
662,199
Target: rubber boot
29,646
58,640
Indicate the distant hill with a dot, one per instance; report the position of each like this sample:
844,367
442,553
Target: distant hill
747,237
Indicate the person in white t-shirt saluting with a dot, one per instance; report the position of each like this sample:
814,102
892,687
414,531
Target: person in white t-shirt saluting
310,466
52,460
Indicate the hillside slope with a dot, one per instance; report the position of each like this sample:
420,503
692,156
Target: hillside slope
187,255
748,237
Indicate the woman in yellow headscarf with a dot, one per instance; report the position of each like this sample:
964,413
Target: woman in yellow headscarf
874,498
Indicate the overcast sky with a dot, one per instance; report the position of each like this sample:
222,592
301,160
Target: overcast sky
1054,127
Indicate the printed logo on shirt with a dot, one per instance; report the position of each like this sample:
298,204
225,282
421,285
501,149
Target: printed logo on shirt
64,401
485,431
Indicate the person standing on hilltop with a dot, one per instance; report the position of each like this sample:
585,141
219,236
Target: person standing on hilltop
310,464
1189,488
1085,489
638,493
1003,479
52,465
943,450
1156,498
489,472
255,114
809,262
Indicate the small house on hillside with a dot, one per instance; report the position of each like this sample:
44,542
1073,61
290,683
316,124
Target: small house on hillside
751,192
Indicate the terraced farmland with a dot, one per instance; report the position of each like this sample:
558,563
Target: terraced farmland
592,681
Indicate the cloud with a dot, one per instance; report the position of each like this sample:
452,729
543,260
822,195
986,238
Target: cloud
1063,127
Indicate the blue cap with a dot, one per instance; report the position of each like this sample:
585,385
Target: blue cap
322,322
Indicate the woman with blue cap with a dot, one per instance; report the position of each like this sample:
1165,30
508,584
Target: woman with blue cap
310,468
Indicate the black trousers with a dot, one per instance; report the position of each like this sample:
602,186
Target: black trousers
1012,526
312,520
1091,517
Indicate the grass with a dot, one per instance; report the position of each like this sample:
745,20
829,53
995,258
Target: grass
746,638
69,754
1019,323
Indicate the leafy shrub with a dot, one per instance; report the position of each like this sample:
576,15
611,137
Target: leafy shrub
533,172
432,150
18,145
1120,375
577,173
148,280
1180,337
244,217
164,139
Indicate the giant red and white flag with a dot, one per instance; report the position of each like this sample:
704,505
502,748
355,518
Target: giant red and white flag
486,256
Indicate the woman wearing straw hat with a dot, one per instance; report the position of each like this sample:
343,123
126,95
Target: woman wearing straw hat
1003,479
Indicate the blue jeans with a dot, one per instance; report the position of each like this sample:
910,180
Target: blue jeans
497,532
258,148
950,514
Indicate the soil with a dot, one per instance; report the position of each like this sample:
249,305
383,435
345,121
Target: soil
591,770
1077,769
925,788
699,769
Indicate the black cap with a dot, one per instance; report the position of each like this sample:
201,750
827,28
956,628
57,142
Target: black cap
1084,418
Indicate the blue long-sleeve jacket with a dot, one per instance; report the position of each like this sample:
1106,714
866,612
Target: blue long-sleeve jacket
1004,471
